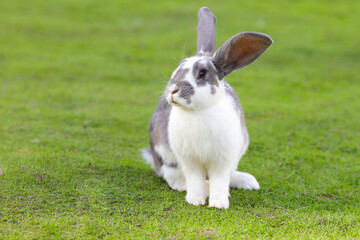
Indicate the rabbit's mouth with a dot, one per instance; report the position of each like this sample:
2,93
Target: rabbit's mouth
172,101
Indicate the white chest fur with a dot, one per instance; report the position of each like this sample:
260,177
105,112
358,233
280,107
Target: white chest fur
213,134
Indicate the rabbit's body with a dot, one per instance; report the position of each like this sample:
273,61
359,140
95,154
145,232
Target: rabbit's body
198,130
209,136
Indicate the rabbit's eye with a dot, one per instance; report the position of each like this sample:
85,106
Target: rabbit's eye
201,74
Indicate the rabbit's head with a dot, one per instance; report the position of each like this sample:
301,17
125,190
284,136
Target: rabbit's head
197,83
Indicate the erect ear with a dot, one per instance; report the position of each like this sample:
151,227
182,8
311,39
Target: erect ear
206,33
239,51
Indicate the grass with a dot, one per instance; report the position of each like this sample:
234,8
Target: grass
79,81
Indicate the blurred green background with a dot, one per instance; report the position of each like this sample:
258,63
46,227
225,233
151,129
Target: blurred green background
79,81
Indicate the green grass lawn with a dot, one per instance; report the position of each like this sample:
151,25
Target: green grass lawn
79,81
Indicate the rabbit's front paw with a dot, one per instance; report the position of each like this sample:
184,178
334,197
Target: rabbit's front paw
219,203
196,200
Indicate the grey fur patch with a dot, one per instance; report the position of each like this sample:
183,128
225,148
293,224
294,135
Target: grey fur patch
158,130
171,165
238,108
210,77
179,75
186,90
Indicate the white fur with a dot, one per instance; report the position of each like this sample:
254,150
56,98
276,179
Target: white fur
207,142
243,180
166,153
173,176
148,157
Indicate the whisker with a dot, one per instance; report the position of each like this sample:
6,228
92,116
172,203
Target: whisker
164,76
177,61
156,100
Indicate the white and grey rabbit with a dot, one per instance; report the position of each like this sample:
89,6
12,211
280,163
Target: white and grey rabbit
198,132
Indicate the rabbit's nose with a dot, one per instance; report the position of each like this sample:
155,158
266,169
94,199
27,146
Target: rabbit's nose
174,91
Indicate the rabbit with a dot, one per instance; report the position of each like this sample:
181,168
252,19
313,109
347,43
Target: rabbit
198,132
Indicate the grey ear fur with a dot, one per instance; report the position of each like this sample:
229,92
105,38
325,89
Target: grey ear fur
206,32
239,51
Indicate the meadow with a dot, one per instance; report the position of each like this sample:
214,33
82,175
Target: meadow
79,81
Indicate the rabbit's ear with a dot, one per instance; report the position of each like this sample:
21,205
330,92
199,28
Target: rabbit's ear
206,32
239,51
